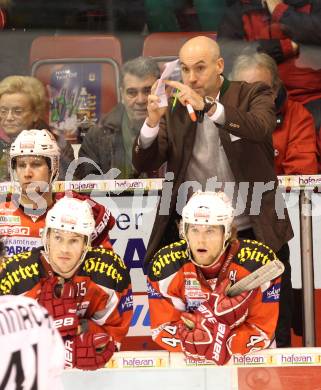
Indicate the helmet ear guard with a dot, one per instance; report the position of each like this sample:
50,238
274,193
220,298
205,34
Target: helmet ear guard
35,143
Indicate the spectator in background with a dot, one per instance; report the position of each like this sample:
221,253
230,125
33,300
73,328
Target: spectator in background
294,139
109,145
230,143
23,105
290,32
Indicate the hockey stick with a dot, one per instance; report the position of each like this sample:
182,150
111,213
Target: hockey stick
264,274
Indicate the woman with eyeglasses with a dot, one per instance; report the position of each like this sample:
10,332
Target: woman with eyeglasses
23,103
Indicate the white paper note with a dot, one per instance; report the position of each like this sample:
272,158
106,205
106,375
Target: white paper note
160,89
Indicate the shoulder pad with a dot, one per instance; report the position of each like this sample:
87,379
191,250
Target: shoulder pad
168,260
21,259
106,268
253,254
20,272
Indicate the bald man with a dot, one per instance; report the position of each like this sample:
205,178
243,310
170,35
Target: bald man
230,143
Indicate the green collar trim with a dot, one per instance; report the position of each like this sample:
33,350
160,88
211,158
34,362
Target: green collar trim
224,87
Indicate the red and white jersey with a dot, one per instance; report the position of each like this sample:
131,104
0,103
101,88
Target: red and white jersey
176,285
20,232
32,351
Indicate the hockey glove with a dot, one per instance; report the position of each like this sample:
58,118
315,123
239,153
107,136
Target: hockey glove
60,301
89,351
207,340
229,310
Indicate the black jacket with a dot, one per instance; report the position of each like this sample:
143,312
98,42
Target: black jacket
103,144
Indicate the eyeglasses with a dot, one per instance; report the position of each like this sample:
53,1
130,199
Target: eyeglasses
17,112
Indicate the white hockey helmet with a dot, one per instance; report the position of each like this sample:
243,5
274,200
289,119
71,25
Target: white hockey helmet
35,143
208,208
70,215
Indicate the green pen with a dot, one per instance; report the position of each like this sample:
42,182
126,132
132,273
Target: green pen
175,99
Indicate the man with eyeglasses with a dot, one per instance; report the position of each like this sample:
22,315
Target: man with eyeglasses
110,144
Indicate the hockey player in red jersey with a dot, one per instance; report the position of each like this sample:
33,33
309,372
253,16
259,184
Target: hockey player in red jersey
188,280
34,167
86,290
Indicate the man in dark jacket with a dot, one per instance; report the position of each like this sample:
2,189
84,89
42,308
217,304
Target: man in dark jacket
110,144
231,142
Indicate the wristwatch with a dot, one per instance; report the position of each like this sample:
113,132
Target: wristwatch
209,102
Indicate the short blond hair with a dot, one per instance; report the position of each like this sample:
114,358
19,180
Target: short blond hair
28,85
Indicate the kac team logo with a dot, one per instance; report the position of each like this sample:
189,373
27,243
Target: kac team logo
126,302
152,293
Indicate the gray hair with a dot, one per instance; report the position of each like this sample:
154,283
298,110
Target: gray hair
245,61
140,67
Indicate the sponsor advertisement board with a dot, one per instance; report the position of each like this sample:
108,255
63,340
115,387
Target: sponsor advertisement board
130,235
159,371
267,358
157,359
134,221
